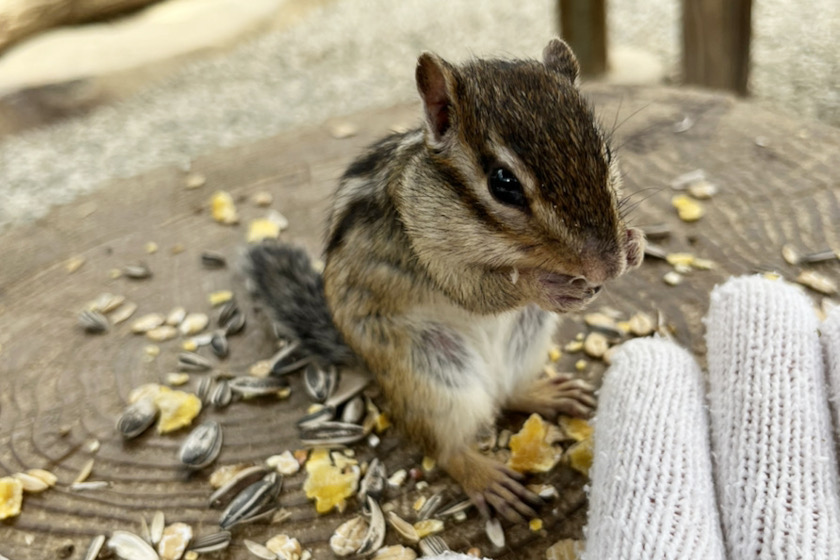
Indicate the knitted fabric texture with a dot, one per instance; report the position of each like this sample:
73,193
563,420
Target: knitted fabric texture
652,495
771,435
830,339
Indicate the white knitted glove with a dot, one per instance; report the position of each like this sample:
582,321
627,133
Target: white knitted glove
773,491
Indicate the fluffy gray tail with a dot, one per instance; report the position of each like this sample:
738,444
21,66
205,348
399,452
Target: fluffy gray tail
282,278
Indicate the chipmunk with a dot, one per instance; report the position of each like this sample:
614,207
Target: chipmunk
451,249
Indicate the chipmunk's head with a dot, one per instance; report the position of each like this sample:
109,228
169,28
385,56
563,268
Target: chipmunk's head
531,186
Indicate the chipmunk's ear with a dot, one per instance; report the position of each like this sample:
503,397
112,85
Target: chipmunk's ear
435,82
558,57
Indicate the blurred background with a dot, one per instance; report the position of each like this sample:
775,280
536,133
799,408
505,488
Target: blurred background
92,90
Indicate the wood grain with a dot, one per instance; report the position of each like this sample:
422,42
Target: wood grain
61,389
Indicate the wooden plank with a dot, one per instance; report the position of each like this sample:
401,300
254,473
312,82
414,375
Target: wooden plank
583,25
716,43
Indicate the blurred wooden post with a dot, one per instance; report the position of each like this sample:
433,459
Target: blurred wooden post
583,24
716,43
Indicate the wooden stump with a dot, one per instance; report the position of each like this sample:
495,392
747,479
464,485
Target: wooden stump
61,389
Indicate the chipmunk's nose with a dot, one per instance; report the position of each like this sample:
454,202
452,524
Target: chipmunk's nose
599,262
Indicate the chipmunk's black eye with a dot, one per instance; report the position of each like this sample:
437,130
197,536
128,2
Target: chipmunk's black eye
506,188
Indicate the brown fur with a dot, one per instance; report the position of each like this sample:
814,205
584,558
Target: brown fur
414,226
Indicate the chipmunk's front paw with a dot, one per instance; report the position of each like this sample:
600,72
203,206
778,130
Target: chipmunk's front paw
491,485
549,397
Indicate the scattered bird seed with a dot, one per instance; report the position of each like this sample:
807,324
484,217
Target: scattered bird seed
131,547
202,446
395,552
258,550
193,323
818,282
162,333
285,547
45,476
262,199
253,501
433,545
212,260
430,507
73,264
373,483
194,180
683,181
348,537
688,209
190,361
495,533
289,359
147,322
284,463
657,231
174,541
211,543
92,485
31,484
203,390
375,535
219,344
93,322
223,209
405,529
454,508
326,434
819,256
95,547
177,379
595,344
343,130
84,472
218,298
176,316
673,278
139,271
655,251
222,394
236,484
320,382
123,313
156,528
249,387
106,303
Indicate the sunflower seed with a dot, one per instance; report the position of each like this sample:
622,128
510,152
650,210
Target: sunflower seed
495,533
259,550
323,414
44,476
395,552
430,507
174,540
235,324
373,483
246,477
95,547
454,508
156,528
162,333
30,483
202,446
256,499
203,390
289,359
212,260
433,545
320,382
227,311
93,322
248,386
352,383
139,271
405,529
190,361
821,256
222,394
105,303
376,529
219,344
354,410
657,231
655,251
331,433
211,543
131,547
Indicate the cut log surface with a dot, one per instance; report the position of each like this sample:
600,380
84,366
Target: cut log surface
61,389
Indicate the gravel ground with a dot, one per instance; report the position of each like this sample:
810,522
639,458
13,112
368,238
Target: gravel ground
357,54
